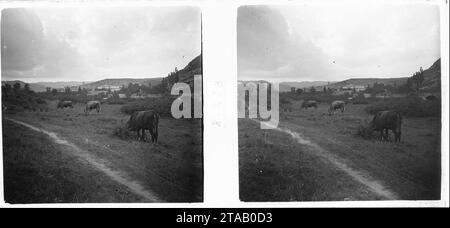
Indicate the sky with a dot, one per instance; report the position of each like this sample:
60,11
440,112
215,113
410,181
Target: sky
336,42
89,44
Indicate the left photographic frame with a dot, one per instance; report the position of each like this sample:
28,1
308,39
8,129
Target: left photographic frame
102,104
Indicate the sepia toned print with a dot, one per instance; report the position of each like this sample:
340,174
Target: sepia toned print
359,109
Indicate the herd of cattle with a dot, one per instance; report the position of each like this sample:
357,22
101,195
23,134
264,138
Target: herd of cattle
139,121
382,122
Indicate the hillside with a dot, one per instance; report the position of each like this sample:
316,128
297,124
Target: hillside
286,86
122,81
432,78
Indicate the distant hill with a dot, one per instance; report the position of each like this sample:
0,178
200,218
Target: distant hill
33,86
432,78
286,86
122,81
61,84
431,83
187,73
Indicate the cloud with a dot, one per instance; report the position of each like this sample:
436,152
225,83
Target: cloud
22,39
334,42
95,43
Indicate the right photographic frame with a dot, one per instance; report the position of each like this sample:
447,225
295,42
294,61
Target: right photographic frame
339,102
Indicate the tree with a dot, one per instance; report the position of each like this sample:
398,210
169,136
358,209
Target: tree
48,89
54,92
312,90
67,89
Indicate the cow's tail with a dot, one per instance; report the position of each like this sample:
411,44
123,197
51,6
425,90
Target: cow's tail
155,124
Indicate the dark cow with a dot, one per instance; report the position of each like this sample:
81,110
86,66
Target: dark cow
285,105
309,104
384,121
336,105
431,98
92,105
65,104
144,120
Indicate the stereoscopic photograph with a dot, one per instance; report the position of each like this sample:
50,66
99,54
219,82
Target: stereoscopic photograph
102,104
339,102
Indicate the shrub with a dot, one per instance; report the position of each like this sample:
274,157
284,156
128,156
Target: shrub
161,105
407,106
116,101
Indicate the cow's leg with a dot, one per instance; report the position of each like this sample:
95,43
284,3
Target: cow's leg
152,134
138,136
397,134
386,134
143,135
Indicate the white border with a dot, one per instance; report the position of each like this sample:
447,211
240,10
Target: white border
221,178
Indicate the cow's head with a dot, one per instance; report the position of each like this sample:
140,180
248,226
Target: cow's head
370,125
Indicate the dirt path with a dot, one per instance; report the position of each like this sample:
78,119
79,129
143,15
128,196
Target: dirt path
99,164
359,176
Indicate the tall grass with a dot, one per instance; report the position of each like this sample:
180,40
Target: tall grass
161,105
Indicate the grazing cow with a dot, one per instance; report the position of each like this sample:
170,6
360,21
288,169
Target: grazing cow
92,105
336,105
144,120
309,104
384,121
65,104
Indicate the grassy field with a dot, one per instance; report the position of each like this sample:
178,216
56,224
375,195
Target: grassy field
172,169
274,167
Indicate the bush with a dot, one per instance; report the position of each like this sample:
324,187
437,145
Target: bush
365,131
360,101
122,132
407,106
116,101
161,105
